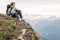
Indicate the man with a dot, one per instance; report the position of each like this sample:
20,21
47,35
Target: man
11,10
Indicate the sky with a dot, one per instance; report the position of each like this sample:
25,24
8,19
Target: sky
34,7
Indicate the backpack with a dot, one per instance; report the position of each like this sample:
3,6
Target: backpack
8,6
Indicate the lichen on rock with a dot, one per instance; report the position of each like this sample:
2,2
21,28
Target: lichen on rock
14,29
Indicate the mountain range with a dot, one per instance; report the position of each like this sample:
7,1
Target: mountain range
48,27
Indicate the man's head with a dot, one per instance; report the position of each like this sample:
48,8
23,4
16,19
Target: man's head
12,4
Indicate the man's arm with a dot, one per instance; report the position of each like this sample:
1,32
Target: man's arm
13,11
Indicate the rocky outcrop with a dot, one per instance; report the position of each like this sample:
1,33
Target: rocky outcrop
14,29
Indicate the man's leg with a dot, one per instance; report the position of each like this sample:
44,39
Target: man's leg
15,15
19,13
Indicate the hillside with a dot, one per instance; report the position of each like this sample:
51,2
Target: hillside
14,29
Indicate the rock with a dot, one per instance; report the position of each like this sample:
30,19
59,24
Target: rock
23,31
14,29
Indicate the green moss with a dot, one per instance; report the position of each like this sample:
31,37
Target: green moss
11,18
11,29
2,34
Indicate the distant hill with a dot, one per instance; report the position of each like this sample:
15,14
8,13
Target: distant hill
53,30
48,27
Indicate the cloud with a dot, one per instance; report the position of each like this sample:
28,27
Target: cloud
39,7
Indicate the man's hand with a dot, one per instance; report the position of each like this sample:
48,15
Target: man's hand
13,10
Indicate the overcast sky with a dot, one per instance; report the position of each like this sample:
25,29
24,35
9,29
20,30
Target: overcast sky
38,7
